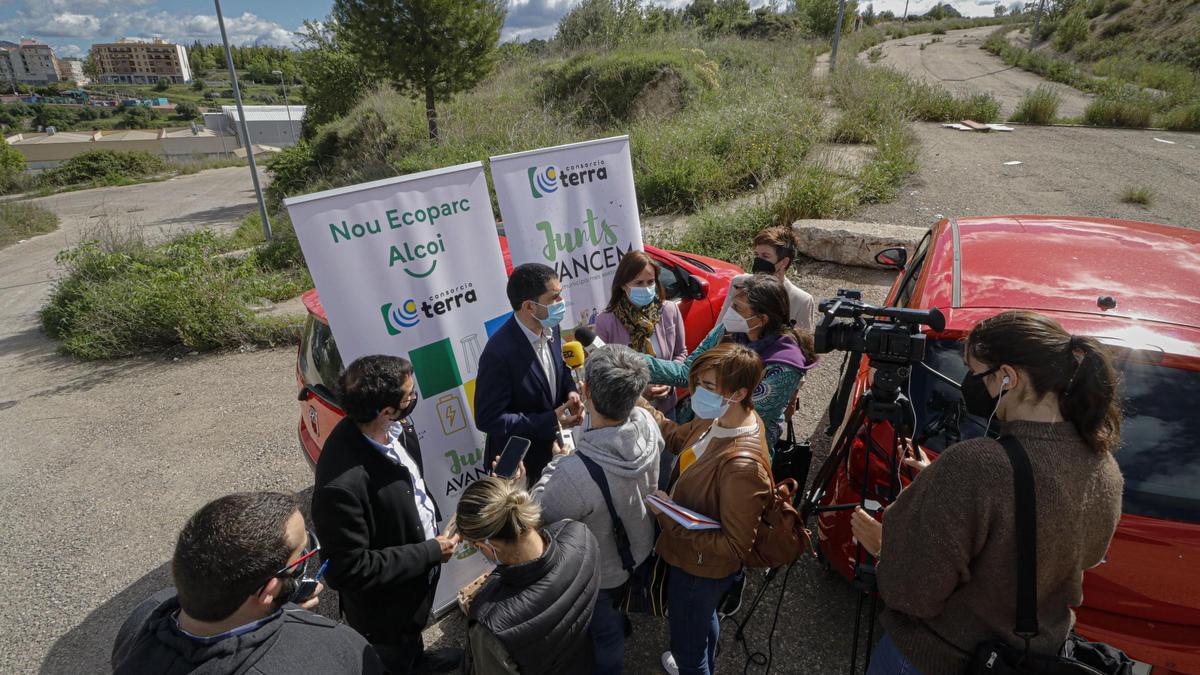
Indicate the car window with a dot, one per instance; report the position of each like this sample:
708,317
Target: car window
908,283
697,263
320,361
670,282
1162,473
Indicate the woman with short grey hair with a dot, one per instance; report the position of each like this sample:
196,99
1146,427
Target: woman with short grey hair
620,447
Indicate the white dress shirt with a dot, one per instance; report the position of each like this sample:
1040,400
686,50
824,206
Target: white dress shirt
396,452
541,347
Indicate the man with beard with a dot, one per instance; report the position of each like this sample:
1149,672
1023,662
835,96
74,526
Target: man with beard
377,520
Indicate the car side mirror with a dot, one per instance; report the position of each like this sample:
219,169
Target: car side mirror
896,257
697,288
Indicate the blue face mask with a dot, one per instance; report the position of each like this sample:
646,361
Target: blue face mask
642,295
707,404
554,313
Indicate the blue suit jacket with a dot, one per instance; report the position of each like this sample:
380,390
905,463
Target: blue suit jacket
513,397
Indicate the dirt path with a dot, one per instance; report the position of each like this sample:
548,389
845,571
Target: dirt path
1063,171
960,64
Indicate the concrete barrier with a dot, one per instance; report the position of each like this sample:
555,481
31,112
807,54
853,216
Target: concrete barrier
853,243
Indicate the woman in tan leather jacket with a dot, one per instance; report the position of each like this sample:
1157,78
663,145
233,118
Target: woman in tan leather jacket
723,473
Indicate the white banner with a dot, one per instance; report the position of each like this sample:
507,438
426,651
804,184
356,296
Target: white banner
572,207
411,266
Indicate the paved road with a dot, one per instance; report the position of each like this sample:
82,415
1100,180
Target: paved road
1063,171
958,63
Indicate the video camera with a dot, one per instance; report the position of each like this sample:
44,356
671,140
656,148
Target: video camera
895,341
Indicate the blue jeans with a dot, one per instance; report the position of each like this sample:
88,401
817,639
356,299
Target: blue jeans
887,660
695,629
608,634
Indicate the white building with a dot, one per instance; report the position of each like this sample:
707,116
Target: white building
131,61
29,62
72,71
271,125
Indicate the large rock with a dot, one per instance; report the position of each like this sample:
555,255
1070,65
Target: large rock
852,243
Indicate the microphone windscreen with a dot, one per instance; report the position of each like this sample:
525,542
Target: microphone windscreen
588,338
573,354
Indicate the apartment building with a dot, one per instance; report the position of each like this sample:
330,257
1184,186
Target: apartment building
71,70
137,62
27,62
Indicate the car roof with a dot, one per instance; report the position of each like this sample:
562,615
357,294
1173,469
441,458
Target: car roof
1065,264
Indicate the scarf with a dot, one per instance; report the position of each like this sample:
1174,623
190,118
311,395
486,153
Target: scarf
640,322
781,349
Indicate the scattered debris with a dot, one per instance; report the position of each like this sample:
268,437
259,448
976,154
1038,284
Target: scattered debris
1000,127
1012,163
1163,140
985,127
975,126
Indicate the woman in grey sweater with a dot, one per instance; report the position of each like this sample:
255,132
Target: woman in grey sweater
624,442
947,558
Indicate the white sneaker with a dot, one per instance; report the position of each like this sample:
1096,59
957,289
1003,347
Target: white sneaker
668,663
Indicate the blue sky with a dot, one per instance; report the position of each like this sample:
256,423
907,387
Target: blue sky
72,25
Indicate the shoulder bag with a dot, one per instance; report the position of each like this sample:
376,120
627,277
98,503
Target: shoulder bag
1077,656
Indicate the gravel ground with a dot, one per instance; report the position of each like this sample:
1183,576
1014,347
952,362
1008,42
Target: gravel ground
102,463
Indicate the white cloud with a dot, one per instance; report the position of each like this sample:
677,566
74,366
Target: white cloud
69,51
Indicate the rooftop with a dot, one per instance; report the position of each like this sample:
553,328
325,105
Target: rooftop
266,113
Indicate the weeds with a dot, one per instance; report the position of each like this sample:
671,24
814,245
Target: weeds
103,167
1121,109
1137,194
1183,118
1039,106
874,55
22,220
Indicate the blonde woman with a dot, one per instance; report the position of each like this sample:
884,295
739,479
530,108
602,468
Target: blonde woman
533,613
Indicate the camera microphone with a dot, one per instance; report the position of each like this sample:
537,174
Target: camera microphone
588,339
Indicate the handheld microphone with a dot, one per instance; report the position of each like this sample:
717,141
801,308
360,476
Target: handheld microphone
588,338
573,354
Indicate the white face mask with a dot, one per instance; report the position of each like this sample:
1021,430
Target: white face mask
734,322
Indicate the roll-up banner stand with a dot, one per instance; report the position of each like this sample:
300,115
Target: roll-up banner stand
412,267
574,208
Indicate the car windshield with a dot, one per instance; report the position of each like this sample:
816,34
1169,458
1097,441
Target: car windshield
1162,471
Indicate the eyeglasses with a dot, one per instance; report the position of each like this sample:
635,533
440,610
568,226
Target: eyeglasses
311,548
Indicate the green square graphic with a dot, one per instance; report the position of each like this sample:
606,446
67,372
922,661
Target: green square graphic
435,368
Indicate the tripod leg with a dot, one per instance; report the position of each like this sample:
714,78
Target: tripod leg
857,627
871,630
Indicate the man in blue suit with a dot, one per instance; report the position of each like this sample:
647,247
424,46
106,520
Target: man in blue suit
524,389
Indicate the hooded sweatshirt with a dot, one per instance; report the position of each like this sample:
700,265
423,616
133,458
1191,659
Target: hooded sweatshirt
291,641
629,455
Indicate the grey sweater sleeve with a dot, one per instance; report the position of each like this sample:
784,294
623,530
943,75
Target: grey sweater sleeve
557,492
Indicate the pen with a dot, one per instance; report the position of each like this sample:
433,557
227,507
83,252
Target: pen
321,572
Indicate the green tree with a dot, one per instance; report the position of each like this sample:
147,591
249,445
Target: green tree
187,111
259,70
334,80
198,84
697,12
163,84
138,118
52,116
600,24
821,15
90,68
1071,30
434,48
999,10
12,162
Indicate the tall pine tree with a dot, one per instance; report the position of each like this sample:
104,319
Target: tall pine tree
430,48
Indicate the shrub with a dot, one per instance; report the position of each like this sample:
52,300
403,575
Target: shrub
821,16
103,167
1072,30
724,233
894,161
138,118
607,88
813,193
22,220
187,111
1137,194
12,161
127,298
1120,109
162,85
939,31
1039,106
1117,6
197,84
1183,118
874,55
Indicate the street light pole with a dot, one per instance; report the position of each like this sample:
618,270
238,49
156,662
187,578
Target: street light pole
287,106
837,34
237,97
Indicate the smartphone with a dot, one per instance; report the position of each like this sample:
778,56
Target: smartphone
308,586
512,456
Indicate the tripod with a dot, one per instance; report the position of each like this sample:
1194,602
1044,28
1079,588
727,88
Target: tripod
882,403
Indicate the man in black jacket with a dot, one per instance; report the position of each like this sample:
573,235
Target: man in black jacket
377,521
237,567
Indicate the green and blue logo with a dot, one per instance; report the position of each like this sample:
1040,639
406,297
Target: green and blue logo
543,181
403,316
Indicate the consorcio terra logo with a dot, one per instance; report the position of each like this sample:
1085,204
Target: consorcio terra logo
546,180
397,317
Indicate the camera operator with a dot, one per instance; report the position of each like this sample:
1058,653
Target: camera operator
757,318
947,558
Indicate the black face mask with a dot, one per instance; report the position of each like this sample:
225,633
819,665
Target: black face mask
761,266
407,410
975,394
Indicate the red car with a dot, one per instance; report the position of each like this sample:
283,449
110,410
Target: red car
1146,598
698,283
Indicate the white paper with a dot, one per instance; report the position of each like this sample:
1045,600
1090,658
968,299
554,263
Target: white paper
688,518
